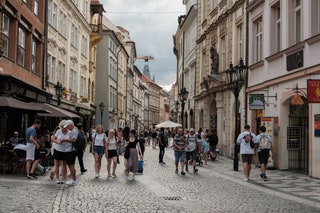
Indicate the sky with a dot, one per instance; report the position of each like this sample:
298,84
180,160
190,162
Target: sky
151,25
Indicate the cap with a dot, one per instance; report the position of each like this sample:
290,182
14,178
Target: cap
62,123
191,130
67,123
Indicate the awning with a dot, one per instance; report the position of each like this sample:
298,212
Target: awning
16,104
56,112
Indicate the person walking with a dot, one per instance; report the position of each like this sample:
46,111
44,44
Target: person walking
264,142
111,152
71,152
99,140
81,149
179,145
246,151
192,150
59,155
162,145
31,146
142,143
132,161
154,136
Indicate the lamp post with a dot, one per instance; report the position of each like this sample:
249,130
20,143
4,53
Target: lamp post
183,95
58,88
235,77
177,108
101,108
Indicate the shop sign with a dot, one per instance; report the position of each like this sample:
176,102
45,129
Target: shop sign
256,101
313,90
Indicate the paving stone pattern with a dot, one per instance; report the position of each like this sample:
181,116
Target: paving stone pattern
217,188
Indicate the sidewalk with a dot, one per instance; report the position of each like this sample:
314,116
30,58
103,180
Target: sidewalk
287,182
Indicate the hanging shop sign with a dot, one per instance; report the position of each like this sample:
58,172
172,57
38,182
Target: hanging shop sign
256,101
313,90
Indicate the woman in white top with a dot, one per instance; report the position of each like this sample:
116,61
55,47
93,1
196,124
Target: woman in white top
59,152
99,140
112,149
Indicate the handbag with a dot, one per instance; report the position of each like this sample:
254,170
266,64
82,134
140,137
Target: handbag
127,152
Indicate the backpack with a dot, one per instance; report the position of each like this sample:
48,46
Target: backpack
264,142
80,143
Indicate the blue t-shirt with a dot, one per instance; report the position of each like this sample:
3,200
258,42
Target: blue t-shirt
179,143
31,131
258,138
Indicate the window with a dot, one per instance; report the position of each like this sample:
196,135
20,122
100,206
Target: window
239,42
34,54
21,47
73,80
36,7
83,86
223,53
113,97
61,72
51,67
278,29
297,21
113,69
84,46
5,34
74,35
62,24
258,41
54,16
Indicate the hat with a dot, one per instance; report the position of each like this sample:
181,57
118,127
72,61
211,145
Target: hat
191,130
67,123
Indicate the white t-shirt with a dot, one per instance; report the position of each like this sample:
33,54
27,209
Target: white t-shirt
112,143
73,135
99,139
60,136
192,143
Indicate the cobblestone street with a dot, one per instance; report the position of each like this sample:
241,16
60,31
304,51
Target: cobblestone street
215,189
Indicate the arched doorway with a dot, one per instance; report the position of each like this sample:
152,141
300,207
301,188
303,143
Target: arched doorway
297,137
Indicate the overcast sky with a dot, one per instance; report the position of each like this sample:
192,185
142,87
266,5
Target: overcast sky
151,24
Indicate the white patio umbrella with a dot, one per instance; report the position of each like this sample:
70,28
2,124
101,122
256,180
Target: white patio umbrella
168,124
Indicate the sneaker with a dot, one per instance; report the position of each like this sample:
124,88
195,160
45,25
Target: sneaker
109,175
31,177
261,175
58,181
62,181
34,177
265,178
83,171
195,171
114,175
183,173
72,182
176,171
97,175
246,179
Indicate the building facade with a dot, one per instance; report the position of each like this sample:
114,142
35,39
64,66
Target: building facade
283,56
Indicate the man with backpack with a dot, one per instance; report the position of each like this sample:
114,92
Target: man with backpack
264,148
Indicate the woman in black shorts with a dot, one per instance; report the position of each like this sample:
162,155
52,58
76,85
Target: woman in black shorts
111,152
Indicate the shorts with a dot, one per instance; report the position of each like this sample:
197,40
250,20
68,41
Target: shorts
57,155
191,155
30,150
247,158
112,153
264,156
179,156
98,150
70,157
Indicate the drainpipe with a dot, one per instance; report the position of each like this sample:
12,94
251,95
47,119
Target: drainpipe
45,48
246,62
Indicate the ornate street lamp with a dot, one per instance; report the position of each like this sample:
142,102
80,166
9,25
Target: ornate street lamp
235,77
177,108
183,95
101,108
58,88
